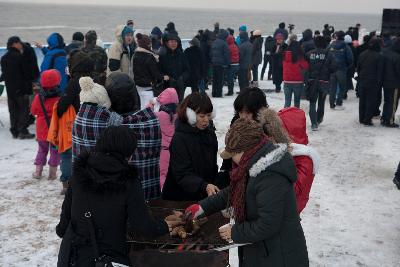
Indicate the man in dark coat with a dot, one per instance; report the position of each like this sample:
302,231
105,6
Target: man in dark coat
281,30
174,65
391,83
277,62
197,65
98,55
220,58
256,55
268,46
245,51
307,42
76,44
17,74
370,71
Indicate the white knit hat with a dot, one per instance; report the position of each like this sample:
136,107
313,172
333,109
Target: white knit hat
93,92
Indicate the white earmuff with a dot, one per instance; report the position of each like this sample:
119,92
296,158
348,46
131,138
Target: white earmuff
191,115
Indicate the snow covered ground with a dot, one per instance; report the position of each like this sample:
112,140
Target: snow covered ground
352,218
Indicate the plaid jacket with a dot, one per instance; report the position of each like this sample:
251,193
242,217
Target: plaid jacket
89,123
146,159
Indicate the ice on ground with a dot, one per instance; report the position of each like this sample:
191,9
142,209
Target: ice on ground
352,218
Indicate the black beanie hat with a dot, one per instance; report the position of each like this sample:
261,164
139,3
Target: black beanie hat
80,62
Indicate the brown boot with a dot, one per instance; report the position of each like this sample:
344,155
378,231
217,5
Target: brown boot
52,173
65,188
38,172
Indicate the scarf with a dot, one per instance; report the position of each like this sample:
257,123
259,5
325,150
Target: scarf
141,49
239,176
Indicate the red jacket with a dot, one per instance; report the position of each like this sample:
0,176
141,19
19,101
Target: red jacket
305,157
36,109
233,49
292,72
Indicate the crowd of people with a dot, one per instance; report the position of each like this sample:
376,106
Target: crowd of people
120,127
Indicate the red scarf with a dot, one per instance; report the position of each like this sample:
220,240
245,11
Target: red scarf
239,176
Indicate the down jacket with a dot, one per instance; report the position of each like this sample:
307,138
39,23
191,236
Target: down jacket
233,49
219,50
271,231
292,72
305,157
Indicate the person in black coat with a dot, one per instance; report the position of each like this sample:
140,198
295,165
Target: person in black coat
307,42
256,55
192,173
76,44
105,185
370,71
173,64
391,83
17,74
277,62
197,65
220,59
268,46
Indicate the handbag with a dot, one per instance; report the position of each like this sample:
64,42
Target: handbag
311,87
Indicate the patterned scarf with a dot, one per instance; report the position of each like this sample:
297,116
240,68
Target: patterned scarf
239,176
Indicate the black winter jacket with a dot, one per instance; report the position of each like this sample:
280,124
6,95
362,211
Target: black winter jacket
272,226
173,64
30,58
268,46
193,163
145,69
370,68
16,73
322,64
256,55
197,65
107,186
391,66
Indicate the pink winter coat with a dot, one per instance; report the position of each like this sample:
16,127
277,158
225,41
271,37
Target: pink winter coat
168,96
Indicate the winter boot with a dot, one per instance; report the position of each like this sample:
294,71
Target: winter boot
38,172
65,188
52,173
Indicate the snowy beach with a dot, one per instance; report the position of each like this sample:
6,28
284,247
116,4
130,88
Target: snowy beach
352,218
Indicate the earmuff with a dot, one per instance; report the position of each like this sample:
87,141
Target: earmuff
191,115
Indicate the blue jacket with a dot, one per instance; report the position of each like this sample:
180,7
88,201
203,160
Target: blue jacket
245,50
342,54
220,50
56,47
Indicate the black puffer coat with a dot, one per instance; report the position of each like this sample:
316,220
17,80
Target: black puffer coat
193,163
197,65
145,69
391,66
272,225
107,186
322,64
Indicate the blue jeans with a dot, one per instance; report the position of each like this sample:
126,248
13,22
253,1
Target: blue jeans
202,86
233,70
66,165
338,87
292,88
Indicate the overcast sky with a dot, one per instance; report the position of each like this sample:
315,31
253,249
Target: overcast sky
348,6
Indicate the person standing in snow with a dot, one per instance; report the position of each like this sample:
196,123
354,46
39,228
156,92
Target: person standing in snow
193,169
42,108
245,50
121,51
307,42
145,70
18,80
242,28
281,30
263,200
370,72
277,61
220,59
256,55
155,36
234,66
294,65
195,59
322,65
76,43
268,46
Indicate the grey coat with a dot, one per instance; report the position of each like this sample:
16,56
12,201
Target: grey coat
272,225
220,51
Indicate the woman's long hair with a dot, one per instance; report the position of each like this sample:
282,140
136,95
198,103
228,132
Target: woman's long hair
297,51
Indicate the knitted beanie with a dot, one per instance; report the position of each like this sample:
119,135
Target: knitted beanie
243,135
93,93
50,79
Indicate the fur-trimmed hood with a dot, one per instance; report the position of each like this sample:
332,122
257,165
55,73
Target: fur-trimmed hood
303,150
102,172
275,158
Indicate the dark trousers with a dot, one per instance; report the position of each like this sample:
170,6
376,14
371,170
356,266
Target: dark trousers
254,70
232,72
243,79
194,85
338,87
391,102
267,61
18,106
369,97
317,111
218,80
